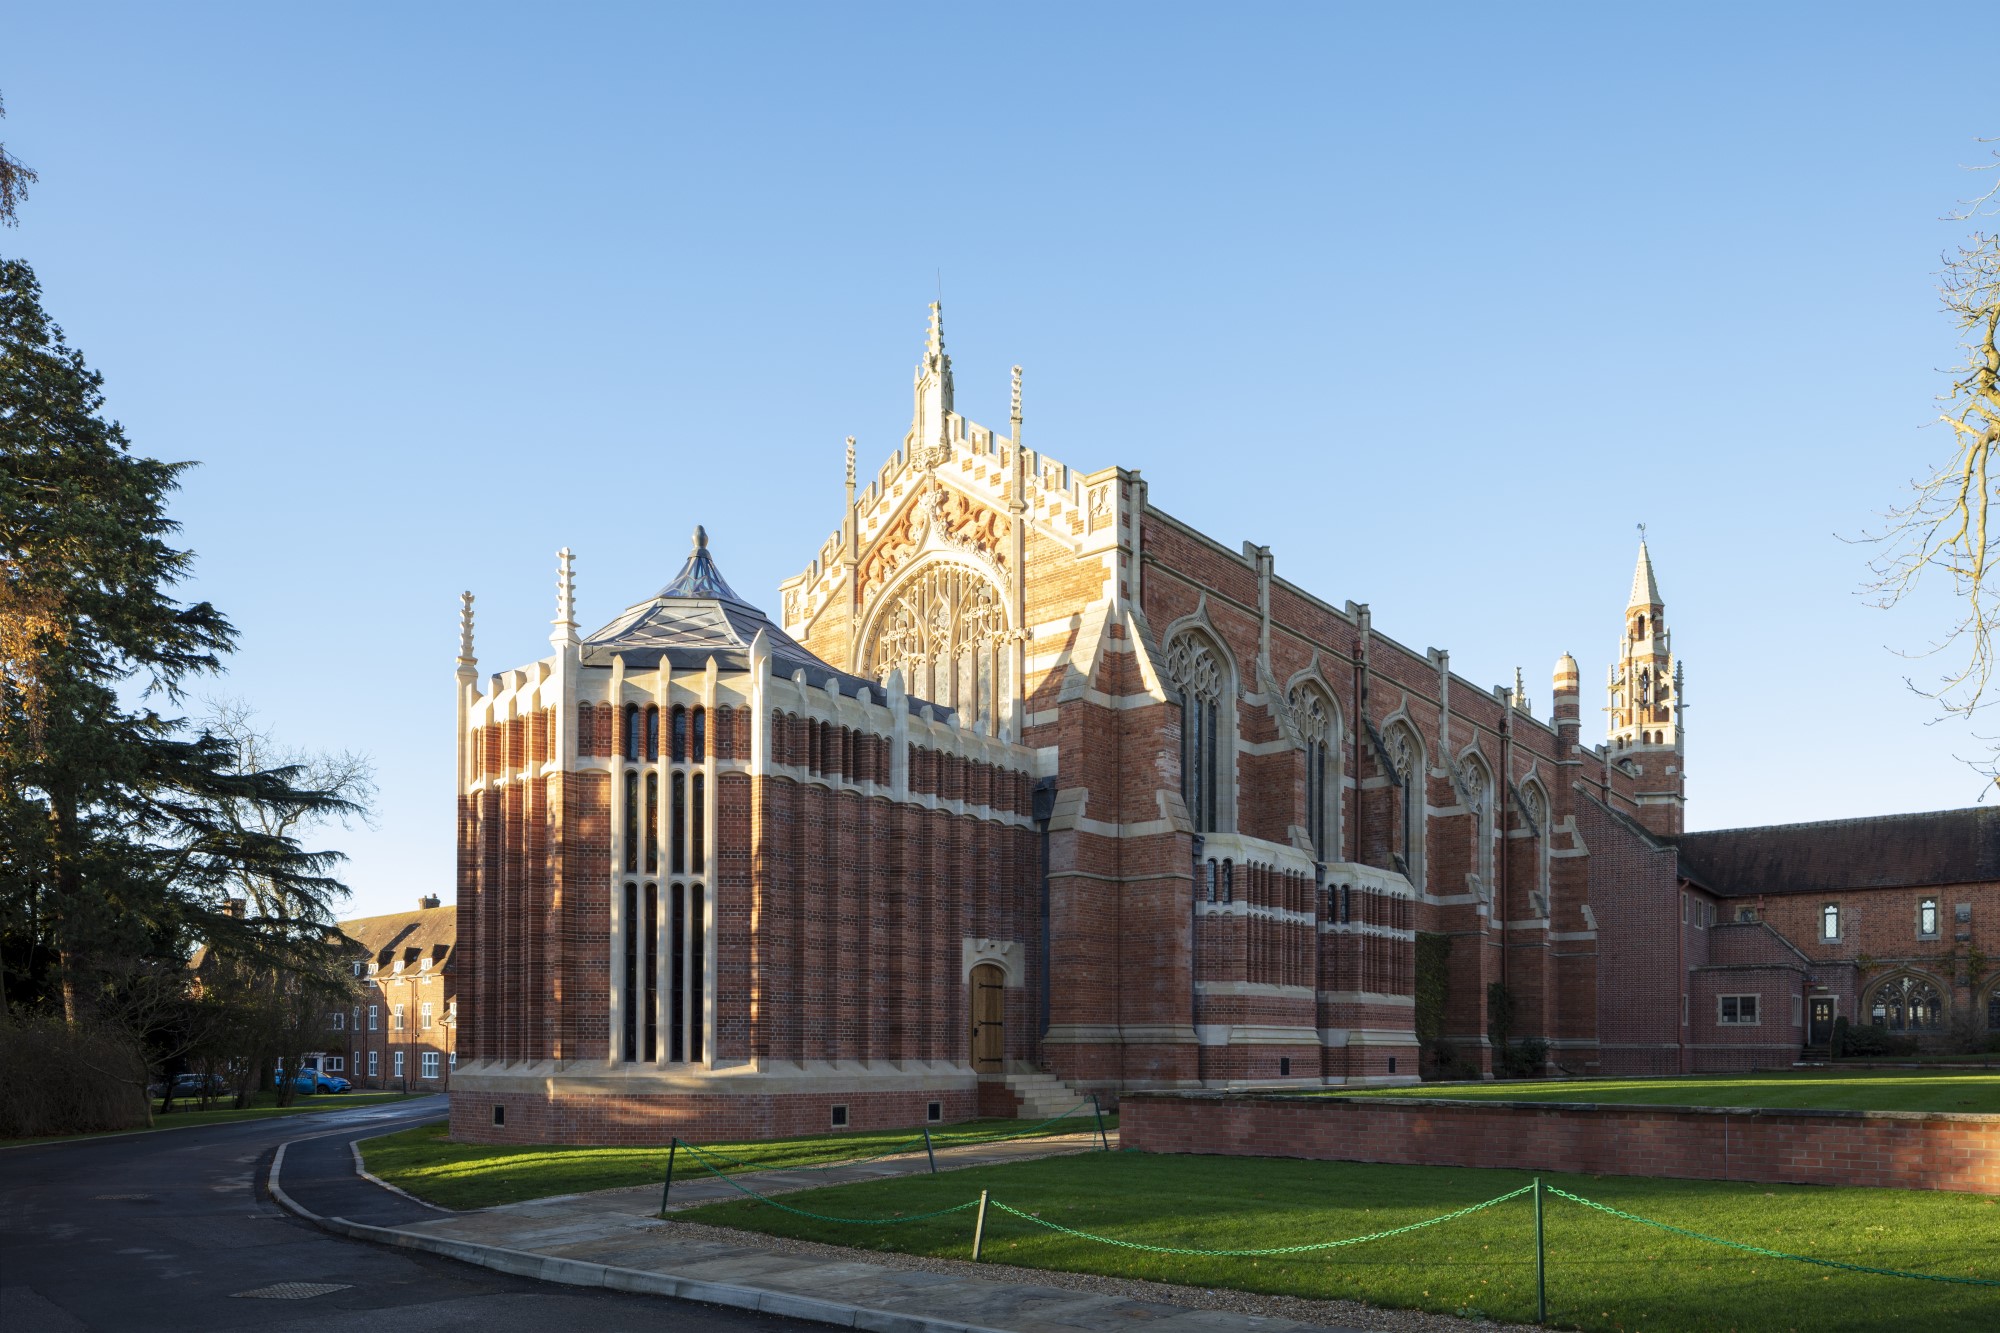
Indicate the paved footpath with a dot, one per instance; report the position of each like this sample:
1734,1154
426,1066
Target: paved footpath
613,1238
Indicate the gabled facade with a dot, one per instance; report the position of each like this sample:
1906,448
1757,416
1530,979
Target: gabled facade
1029,782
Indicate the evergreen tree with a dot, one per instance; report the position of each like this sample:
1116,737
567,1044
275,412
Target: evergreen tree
123,830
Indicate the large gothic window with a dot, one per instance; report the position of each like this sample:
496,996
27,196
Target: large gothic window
1535,809
1314,715
1406,761
1907,1004
946,630
1478,781
1195,678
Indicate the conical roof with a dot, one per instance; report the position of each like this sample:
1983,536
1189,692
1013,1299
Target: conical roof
698,616
1645,591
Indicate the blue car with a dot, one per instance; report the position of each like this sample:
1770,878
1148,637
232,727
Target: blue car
308,1081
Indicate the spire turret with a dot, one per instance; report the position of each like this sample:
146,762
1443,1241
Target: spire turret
1642,701
928,425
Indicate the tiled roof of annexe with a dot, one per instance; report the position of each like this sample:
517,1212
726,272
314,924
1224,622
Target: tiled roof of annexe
1879,852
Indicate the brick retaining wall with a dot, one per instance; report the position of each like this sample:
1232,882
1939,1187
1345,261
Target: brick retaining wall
1892,1149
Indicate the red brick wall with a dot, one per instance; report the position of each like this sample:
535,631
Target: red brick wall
1892,1150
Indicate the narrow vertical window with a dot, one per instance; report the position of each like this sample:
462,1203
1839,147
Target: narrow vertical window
1196,681
652,823
697,914
1927,917
677,816
632,821
632,732
652,732
677,974
698,751
680,734
1829,922
652,973
629,1007
698,826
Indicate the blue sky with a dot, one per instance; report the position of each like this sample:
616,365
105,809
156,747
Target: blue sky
1436,301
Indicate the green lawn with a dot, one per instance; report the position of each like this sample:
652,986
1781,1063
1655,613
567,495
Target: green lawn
1828,1090
1604,1273
472,1175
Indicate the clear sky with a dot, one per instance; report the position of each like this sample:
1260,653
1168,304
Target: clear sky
1436,301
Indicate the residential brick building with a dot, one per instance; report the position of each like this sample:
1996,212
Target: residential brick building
1032,788
400,1032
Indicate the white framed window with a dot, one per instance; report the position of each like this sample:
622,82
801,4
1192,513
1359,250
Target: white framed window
374,1016
452,1060
396,1018
356,1024
430,1064
339,1020
374,1064
1829,921
333,1064
1737,1011
397,1072
424,1016
1927,919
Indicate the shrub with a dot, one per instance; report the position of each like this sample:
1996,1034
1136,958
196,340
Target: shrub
55,1079
1838,1046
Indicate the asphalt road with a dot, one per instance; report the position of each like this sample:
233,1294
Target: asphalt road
168,1231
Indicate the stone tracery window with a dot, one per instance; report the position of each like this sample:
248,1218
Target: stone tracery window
946,630
1314,715
1479,804
1194,679
1406,759
1907,1004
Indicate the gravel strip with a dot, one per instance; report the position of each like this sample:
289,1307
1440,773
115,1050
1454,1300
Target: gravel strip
1349,1314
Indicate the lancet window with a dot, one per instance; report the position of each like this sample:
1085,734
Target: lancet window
1406,760
1478,781
946,629
1194,677
1315,717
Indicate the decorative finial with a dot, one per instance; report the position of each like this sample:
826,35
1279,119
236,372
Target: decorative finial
466,661
565,621
850,462
1016,412
1642,532
700,538
935,344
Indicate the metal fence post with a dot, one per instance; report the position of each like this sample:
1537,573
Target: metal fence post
1099,1109
672,1145
979,1228
1541,1264
928,1150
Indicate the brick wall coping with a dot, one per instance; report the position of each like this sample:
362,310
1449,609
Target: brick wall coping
1598,1108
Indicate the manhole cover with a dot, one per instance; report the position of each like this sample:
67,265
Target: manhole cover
122,1197
291,1291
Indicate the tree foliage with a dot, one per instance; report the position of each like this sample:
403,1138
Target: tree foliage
15,178
1948,526
124,830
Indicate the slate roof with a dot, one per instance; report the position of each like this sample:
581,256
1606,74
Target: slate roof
698,616
1883,851
412,936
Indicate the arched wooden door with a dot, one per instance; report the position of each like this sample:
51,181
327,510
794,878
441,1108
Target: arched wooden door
989,1011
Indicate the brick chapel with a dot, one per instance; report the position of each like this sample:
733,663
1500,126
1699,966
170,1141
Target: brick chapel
1033,790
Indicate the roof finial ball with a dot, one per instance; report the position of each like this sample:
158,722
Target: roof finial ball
700,537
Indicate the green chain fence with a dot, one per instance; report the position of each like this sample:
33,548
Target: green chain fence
1537,1189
